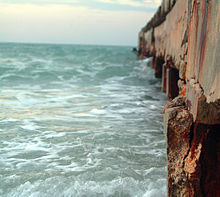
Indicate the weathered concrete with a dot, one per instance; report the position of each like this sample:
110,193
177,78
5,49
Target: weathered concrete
203,70
159,40
178,122
184,39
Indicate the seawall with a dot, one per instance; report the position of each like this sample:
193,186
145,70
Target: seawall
183,37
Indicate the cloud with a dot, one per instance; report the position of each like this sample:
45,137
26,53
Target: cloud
132,3
122,4
69,24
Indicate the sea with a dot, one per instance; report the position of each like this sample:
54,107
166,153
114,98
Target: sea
80,121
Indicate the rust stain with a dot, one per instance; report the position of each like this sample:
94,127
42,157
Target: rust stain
183,91
192,39
203,35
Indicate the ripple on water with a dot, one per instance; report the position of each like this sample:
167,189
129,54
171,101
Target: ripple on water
79,121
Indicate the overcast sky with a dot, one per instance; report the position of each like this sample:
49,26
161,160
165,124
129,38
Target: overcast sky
110,22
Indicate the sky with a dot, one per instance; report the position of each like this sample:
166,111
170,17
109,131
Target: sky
100,22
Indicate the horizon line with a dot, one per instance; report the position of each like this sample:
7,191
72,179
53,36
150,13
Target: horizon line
59,43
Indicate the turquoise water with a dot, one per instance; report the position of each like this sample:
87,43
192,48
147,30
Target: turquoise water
79,121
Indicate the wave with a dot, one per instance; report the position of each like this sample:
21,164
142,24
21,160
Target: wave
79,121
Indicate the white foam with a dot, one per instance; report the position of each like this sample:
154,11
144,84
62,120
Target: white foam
53,134
76,138
9,120
60,186
98,111
29,125
157,189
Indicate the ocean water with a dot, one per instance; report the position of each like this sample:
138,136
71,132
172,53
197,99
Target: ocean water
79,121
